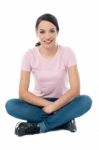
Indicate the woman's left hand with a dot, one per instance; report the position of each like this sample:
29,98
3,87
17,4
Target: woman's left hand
49,108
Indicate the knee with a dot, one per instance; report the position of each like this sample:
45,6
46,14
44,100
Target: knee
86,101
9,105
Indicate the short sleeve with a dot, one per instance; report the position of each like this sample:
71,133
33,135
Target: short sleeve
26,62
71,58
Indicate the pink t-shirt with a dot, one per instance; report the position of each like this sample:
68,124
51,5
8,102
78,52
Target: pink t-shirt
49,73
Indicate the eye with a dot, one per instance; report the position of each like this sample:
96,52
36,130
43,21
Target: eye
42,31
52,31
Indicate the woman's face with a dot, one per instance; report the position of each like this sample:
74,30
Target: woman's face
47,34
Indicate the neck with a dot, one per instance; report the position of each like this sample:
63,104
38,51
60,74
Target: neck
48,52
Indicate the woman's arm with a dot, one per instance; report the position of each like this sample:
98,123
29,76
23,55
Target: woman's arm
28,96
70,94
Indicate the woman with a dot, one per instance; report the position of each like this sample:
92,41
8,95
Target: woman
52,105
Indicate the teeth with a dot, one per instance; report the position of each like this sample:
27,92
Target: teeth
48,42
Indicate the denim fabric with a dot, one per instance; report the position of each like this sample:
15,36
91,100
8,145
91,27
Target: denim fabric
20,109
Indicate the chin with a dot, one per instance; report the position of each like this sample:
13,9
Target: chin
48,46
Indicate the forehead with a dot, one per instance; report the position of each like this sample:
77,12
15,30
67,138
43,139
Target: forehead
46,24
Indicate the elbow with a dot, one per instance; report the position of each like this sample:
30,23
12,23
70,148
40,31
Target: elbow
22,94
76,92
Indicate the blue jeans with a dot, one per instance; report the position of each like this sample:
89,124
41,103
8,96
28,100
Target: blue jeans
20,109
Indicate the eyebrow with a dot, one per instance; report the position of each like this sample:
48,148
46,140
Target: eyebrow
50,29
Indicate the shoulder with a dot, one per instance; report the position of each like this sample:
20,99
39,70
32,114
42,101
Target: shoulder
65,50
27,60
29,53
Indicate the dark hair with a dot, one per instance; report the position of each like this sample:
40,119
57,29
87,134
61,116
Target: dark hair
46,17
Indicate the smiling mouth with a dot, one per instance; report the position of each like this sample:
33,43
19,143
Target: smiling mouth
48,42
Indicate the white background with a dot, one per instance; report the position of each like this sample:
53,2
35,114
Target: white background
79,29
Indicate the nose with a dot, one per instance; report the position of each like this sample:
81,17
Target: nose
48,36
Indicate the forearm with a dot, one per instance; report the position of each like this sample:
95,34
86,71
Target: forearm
65,99
33,99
